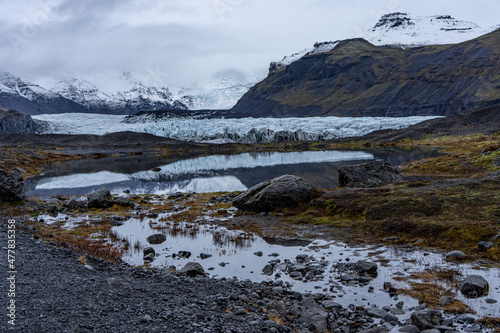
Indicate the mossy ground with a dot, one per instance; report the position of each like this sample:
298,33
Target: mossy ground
445,213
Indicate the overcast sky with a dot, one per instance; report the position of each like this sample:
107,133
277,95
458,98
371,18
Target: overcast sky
180,42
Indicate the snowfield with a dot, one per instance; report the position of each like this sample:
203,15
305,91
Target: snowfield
245,130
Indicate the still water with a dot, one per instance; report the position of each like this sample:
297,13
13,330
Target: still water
215,173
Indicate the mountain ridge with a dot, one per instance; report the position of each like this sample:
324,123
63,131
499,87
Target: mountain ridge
71,95
357,78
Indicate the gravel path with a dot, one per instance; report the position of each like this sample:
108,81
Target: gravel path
56,293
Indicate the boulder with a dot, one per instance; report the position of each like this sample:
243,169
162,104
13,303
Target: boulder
156,239
365,267
426,319
100,199
474,286
124,202
284,191
311,313
75,204
378,172
11,186
192,269
12,121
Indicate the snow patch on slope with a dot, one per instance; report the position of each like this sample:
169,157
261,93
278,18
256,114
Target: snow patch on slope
317,48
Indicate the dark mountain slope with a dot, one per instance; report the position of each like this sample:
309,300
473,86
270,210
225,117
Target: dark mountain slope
482,121
357,78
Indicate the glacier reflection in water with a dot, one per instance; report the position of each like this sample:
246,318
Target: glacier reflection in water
216,173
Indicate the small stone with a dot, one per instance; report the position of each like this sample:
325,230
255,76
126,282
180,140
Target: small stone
365,267
483,246
268,270
375,312
389,317
258,253
490,301
455,255
156,239
240,312
409,329
446,300
331,305
205,255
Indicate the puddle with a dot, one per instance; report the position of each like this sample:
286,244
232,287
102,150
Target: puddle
215,173
65,221
232,254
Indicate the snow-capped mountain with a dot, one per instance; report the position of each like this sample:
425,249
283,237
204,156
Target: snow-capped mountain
404,30
137,98
10,84
223,92
77,95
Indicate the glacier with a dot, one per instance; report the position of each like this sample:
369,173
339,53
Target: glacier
242,130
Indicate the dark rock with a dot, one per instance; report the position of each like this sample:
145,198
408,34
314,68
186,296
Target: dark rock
376,312
99,199
149,250
310,312
75,204
455,255
182,255
409,329
483,246
11,186
377,329
258,253
284,191
12,121
365,267
490,301
148,257
268,270
331,305
378,172
205,255
125,202
446,300
426,319
474,286
389,317
156,239
192,269
432,330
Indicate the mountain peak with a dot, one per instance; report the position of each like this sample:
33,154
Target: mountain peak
403,29
407,30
